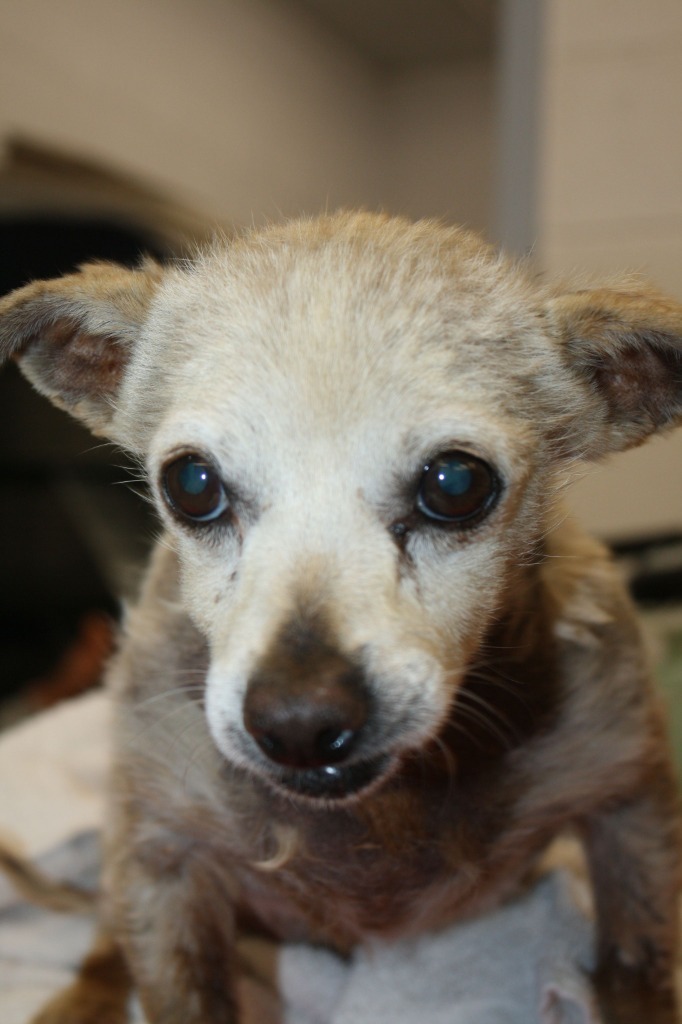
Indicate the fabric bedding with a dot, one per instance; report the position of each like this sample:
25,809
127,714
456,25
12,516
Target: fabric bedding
526,963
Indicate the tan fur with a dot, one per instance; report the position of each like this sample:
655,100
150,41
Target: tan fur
100,993
495,670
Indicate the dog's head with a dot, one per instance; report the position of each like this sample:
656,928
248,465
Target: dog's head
352,428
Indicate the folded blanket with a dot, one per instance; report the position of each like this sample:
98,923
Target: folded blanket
523,964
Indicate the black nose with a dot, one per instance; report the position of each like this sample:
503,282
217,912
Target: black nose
306,706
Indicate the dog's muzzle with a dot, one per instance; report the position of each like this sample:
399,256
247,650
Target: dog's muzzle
308,710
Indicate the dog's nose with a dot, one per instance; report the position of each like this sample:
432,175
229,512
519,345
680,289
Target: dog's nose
304,720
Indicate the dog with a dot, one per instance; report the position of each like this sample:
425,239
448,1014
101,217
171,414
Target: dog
374,669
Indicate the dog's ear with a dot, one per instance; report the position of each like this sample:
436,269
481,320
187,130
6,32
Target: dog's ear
625,347
73,336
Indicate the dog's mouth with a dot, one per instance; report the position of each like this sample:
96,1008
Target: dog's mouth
332,782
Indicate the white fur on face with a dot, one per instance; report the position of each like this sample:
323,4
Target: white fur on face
319,406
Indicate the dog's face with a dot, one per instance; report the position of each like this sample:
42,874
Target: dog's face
346,480
352,429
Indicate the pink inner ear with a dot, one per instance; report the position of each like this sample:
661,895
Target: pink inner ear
642,381
82,365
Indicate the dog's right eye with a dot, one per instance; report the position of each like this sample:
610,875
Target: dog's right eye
194,490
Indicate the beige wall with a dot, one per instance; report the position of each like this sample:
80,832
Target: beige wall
439,137
611,199
245,109
242,109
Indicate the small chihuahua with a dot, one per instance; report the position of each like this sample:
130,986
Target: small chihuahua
373,671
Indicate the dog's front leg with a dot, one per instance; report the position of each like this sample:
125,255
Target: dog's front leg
176,923
634,855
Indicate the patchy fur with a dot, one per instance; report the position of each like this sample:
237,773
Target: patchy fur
340,716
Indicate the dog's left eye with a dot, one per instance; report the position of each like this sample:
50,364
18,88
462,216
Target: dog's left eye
458,488
193,489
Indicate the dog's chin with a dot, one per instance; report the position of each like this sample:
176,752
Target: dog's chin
332,783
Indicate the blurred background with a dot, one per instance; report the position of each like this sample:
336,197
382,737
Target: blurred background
552,126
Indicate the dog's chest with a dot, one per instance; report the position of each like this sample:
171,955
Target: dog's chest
397,864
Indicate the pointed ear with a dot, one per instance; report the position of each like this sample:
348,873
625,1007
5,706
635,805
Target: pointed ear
73,336
625,348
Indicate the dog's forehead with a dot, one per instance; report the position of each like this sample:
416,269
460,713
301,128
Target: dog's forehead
309,305
305,333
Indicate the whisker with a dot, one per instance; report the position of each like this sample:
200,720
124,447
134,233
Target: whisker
192,758
450,765
477,717
461,728
162,721
168,694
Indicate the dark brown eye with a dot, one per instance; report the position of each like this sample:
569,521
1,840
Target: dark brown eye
193,488
457,488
